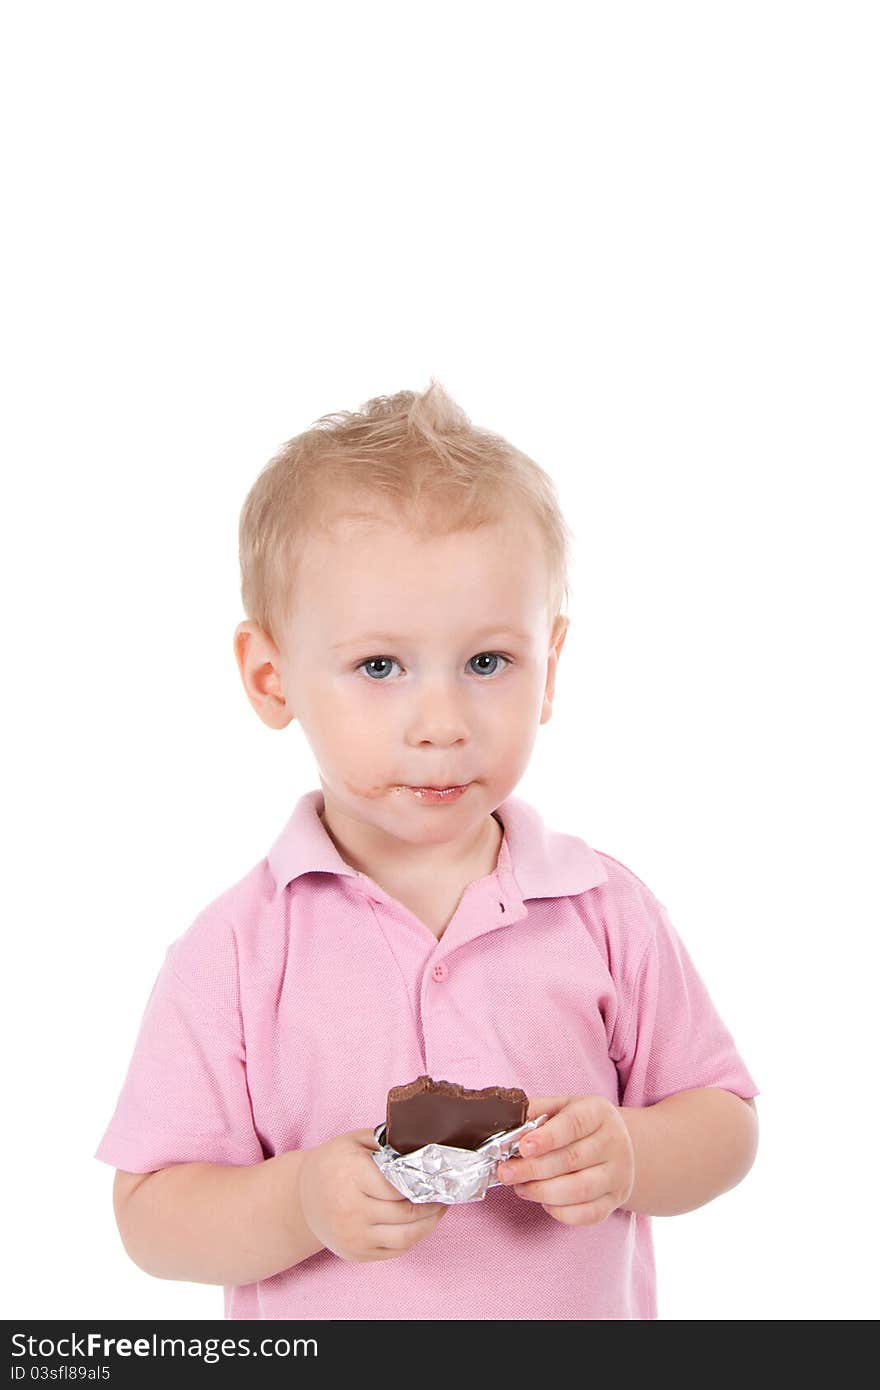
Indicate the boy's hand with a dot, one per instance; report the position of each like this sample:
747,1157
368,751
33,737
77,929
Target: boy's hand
578,1164
352,1209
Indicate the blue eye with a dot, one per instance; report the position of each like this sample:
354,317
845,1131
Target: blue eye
493,656
374,664
377,661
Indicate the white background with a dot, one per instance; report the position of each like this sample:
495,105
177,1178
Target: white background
640,241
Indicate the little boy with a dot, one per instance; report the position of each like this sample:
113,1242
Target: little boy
404,574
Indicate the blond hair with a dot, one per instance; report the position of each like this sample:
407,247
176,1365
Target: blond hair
413,456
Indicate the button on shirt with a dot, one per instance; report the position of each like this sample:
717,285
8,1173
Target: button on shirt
292,1003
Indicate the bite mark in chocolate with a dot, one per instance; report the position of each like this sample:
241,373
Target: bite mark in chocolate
443,1112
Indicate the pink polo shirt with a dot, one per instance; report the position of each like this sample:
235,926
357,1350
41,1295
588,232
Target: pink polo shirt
296,999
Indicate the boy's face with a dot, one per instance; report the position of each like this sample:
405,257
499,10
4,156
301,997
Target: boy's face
413,663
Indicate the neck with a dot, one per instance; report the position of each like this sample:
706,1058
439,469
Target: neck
415,865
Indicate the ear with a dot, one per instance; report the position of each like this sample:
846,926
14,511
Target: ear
259,664
557,641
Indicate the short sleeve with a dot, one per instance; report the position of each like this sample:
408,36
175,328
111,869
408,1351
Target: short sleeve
675,1039
185,1096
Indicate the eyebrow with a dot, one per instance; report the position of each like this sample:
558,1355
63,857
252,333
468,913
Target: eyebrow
369,637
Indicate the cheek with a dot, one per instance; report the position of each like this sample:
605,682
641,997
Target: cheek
349,726
519,705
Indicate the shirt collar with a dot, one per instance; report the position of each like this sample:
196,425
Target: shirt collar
544,863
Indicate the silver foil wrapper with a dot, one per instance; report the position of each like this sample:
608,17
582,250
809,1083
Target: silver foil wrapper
442,1173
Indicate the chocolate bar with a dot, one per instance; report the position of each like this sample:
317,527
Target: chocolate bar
442,1112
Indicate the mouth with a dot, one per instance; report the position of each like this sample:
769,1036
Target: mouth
435,794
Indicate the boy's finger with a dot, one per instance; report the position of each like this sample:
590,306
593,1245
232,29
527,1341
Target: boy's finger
365,1137
583,1115
545,1105
404,1210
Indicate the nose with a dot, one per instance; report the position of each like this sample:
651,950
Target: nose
437,715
